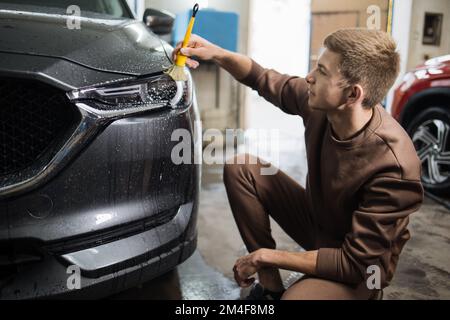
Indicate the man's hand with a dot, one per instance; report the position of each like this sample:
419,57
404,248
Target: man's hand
246,267
236,64
198,47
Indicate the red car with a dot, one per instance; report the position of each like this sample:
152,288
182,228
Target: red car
422,105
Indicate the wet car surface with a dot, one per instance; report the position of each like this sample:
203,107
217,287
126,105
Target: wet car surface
86,173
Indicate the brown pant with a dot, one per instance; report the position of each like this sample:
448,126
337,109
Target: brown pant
254,197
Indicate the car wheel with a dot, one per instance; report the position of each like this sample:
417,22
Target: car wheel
430,134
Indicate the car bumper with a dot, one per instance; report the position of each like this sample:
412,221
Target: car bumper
51,279
122,212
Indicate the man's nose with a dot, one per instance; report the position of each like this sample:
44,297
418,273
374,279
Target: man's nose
309,78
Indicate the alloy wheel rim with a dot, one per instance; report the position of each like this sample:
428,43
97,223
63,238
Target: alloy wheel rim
431,142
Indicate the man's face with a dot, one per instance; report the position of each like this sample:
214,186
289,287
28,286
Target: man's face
325,91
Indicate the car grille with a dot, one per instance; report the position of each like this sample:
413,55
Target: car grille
34,118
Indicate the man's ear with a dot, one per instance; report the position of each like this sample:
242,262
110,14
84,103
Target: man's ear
355,94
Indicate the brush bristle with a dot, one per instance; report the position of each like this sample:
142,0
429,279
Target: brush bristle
177,73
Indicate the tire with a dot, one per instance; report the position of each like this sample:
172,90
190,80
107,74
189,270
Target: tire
430,132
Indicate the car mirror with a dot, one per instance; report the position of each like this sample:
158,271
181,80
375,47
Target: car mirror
159,21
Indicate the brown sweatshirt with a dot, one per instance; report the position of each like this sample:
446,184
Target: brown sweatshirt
361,191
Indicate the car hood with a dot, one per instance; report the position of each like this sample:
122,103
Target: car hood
122,46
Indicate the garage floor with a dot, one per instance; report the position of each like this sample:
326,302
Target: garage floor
423,271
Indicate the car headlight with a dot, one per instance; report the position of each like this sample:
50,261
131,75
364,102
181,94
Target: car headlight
137,95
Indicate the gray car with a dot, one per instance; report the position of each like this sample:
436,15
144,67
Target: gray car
91,202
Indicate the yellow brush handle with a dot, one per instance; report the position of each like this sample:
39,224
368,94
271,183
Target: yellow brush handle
181,60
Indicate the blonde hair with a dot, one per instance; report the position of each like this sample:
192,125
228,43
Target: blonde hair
368,58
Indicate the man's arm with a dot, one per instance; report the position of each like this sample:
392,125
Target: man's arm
289,93
378,224
303,262
238,65
379,231
246,267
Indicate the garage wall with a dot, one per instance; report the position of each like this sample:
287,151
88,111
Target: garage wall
358,7
401,26
240,7
418,51
283,45
329,16
138,7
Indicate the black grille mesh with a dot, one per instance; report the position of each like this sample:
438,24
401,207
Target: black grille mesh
33,117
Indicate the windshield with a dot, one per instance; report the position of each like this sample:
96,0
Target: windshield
88,8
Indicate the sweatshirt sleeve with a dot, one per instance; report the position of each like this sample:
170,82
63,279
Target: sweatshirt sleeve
378,225
289,93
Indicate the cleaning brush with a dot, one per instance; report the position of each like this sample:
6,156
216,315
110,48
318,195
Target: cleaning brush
177,70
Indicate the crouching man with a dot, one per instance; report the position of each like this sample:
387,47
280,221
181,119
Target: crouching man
363,180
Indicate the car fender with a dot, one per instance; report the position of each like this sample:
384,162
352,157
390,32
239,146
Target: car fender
414,104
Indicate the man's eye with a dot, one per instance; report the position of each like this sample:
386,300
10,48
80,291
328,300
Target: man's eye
322,72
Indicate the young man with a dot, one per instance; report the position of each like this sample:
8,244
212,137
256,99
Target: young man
363,180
